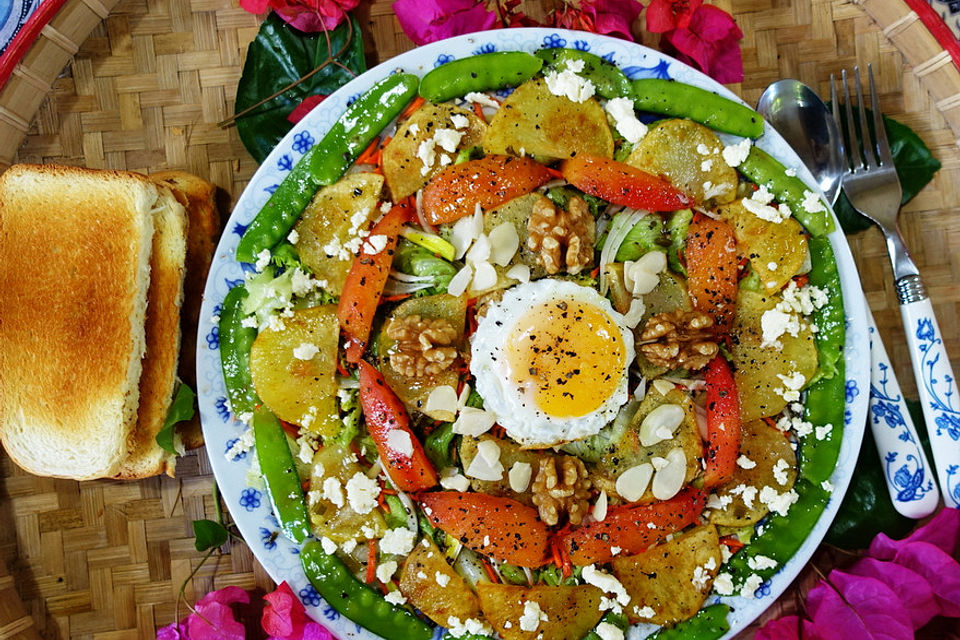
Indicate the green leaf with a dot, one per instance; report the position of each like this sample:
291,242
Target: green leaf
915,165
208,534
280,55
181,410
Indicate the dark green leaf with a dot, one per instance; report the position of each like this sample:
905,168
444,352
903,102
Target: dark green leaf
180,410
278,56
915,164
208,534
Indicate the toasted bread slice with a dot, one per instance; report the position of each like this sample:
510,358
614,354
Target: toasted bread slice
75,249
199,197
145,458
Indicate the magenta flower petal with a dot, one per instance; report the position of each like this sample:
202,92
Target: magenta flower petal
214,621
788,628
666,15
314,631
430,20
711,44
284,616
255,6
226,595
613,17
939,569
868,609
942,531
913,589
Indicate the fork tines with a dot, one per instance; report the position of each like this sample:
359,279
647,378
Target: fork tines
867,149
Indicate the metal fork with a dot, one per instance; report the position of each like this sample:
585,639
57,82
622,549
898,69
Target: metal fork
872,186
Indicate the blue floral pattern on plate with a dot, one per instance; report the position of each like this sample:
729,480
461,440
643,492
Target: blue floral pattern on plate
252,511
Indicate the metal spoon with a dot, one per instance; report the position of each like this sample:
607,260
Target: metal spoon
805,122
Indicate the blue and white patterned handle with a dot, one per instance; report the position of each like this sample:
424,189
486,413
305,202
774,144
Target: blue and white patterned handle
936,383
905,465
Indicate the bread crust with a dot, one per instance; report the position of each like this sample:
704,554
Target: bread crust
74,271
145,458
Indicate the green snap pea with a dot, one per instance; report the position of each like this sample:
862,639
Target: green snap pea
709,623
326,161
608,79
616,619
512,574
782,535
357,601
484,72
439,444
677,229
826,395
764,169
235,343
280,474
686,101
644,237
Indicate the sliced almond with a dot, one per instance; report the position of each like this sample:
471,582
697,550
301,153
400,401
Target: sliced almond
490,451
465,231
668,480
485,276
460,282
504,243
632,483
441,404
473,422
519,476
660,424
663,387
600,507
481,469
519,272
480,251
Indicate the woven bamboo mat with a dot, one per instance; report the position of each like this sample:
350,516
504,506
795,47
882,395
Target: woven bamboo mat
106,559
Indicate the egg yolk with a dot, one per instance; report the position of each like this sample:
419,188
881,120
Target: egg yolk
567,356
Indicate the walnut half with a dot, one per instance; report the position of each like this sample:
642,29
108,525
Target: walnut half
562,486
563,239
679,339
424,346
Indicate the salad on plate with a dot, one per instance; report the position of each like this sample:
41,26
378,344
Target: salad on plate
528,349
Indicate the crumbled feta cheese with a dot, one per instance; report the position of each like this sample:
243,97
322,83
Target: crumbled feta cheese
306,351
368,532
306,443
414,128
750,585
646,612
625,120
606,583
762,195
448,139
723,583
329,546
250,322
822,431
778,502
568,84
442,579
243,444
718,502
827,486
263,259
470,626
333,491
706,165
481,99
362,493
398,541
780,471
375,244
293,237
607,631
735,154
792,384
385,570
395,597
745,463
615,551
701,576
764,211
348,547
759,563
725,553
812,203
703,149
790,173
459,121
532,616
747,494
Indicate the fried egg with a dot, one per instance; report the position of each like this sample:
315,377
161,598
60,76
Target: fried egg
550,360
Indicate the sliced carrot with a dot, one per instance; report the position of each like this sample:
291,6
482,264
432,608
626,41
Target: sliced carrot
491,573
370,154
371,560
490,181
723,424
711,252
478,111
623,184
413,106
732,543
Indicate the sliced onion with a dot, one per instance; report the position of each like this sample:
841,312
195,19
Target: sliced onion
623,222
396,288
422,220
406,277
559,182
410,509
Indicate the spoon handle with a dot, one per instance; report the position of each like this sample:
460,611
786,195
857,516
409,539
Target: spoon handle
936,383
903,460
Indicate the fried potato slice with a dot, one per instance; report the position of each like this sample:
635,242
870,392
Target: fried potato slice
420,578
669,582
571,612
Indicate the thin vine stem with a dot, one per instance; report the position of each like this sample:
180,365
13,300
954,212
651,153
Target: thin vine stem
331,59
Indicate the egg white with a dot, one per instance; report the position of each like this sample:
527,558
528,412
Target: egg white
515,410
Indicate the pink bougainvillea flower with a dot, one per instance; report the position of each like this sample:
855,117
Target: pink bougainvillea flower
857,607
666,15
214,619
310,16
284,617
940,570
788,628
430,20
607,17
943,531
711,43
913,590
305,107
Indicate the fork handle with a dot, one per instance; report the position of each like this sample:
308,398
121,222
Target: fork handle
935,382
904,463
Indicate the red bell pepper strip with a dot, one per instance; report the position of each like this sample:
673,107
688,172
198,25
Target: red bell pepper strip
402,455
490,181
723,424
711,255
629,527
623,184
491,525
363,287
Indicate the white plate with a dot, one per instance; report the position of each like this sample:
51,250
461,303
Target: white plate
250,506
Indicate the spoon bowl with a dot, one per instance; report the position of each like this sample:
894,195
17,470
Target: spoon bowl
805,122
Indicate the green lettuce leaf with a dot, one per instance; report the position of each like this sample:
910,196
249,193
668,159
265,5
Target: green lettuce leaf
181,409
278,56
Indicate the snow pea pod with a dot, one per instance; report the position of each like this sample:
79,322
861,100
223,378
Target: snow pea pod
280,475
355,600
826,395
608,79
235,342
709,623
764,169
616,619
686,101
483,72
326,161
